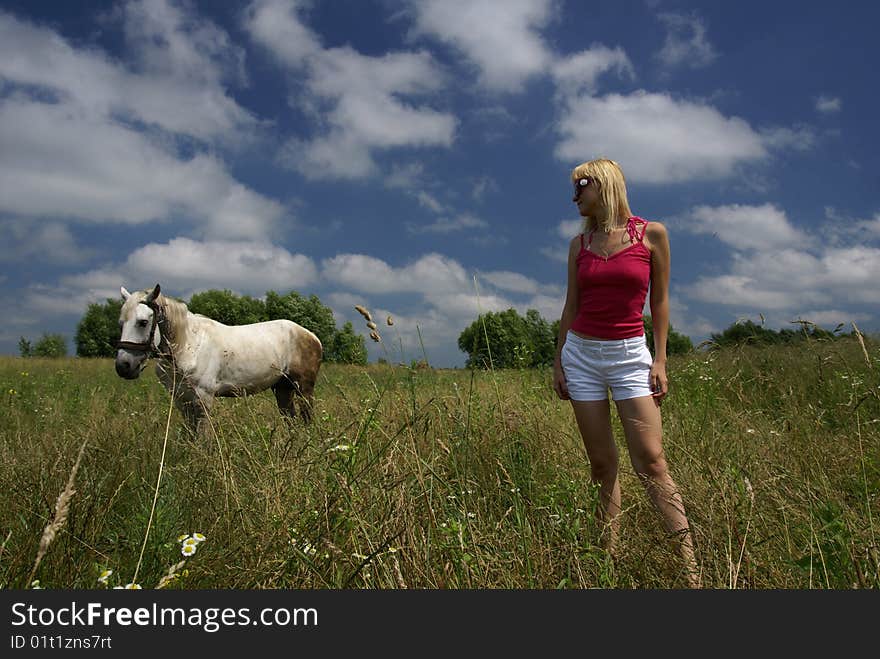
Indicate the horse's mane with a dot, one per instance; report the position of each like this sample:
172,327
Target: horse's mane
175,318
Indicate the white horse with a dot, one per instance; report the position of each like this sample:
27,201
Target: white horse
199,358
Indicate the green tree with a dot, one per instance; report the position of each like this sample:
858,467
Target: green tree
676,344
25,348
511,341
308,312
748,332
227,307
346,347
542,338
98,330
50,345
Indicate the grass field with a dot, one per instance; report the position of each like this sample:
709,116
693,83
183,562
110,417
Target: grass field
442,479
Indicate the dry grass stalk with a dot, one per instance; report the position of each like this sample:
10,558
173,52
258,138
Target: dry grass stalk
3,546
401,582
862,343
390,321
171,576
363,312
371,325
375,336
62,508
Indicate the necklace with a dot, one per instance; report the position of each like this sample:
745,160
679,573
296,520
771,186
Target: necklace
603,251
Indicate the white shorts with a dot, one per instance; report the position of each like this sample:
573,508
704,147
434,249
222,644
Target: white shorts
591,366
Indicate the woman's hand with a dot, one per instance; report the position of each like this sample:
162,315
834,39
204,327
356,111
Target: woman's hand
559,384
659,382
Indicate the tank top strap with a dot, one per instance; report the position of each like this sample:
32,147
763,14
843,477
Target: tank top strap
589,239
633,231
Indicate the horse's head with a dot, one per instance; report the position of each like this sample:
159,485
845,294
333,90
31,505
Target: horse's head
140,334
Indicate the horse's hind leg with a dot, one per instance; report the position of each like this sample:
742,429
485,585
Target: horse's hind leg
290,390
283,390
305,392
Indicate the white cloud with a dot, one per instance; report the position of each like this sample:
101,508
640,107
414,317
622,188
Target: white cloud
51,243
579,73
276,24
568,229
828,104
738,290
430,202
88,138
432,273
459,307
790,280
171,39
409,176
549,306
656,138
518,283
482,186
764,227
183,266
683,320
785,272
47,301
444,284
559,254
494,122
248,267
686,43
363,103
501,40
178,87
449,225
59,162
800,138
871,228
840,228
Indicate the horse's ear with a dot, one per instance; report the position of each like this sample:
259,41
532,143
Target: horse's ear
125,293
152,296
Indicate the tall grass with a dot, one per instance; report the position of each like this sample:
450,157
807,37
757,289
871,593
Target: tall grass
422,478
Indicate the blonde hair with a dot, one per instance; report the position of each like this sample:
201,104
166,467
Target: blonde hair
612,193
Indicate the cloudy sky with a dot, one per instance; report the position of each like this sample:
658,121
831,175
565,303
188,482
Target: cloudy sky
413,156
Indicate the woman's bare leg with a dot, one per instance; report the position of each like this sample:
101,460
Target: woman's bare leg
643,428
594,422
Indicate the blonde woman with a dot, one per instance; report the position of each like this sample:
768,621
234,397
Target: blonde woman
612,265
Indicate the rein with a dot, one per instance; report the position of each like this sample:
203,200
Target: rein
147,345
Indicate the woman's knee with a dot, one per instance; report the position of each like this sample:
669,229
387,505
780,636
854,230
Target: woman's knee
603,468
652,468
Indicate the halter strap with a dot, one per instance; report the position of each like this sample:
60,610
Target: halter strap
147,345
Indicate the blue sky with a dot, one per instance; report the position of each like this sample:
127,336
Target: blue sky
389,153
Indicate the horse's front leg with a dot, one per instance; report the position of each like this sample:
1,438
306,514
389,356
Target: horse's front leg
196,408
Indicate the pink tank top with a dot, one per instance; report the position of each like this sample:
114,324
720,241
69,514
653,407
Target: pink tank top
613,289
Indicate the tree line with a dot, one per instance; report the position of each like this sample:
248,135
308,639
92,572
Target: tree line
98,330
514,341
750,333
529,341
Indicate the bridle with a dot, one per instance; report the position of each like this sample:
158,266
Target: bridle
147,345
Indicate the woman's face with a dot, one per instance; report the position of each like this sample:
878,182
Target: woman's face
586,195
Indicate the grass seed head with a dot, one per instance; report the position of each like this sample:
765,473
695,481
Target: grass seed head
363,312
